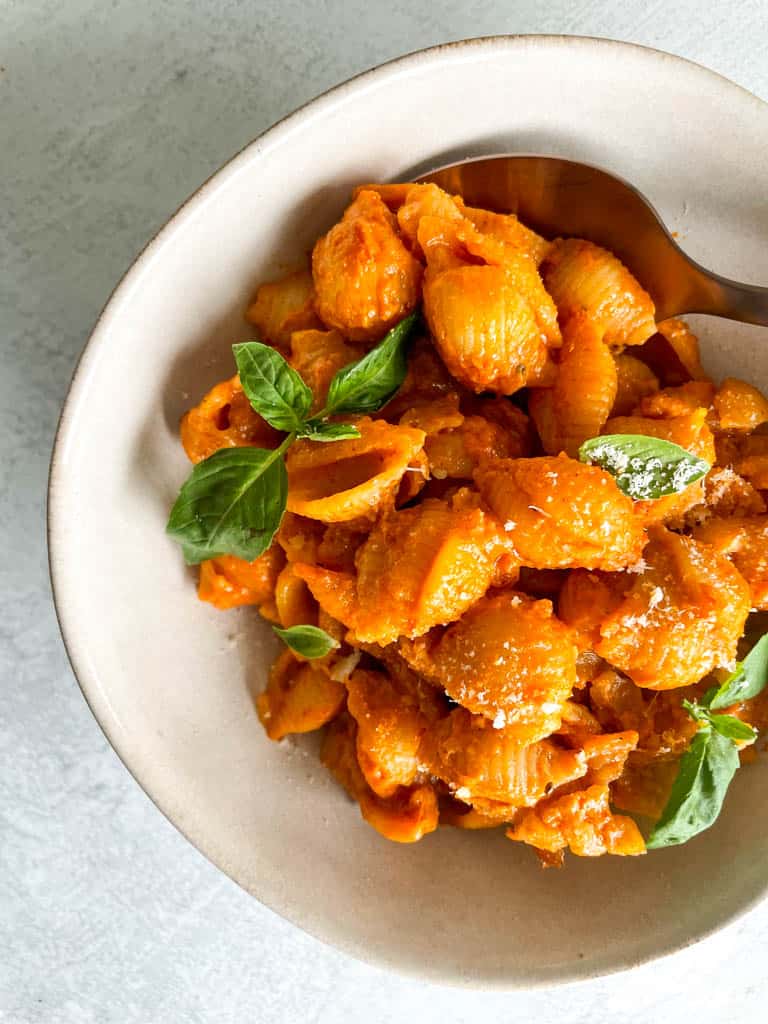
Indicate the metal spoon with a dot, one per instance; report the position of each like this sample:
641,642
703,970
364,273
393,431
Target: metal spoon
561,197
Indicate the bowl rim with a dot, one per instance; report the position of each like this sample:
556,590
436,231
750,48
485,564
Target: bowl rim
142,262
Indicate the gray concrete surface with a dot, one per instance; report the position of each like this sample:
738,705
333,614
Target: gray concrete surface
110,114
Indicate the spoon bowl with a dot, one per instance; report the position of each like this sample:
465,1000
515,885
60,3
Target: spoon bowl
559,197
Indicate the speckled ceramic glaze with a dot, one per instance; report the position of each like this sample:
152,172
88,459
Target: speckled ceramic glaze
171,680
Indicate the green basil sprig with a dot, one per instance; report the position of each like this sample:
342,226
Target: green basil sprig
233,502
308,641
710,762
644,467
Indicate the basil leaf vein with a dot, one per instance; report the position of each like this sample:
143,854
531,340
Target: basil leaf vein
308,641
231,503
644,467
369,383
274,389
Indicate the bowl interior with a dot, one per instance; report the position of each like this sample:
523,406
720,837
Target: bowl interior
171,680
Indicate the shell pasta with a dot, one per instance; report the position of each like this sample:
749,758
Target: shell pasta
493,629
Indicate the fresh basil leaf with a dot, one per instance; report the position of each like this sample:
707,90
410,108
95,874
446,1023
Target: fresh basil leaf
231,503
368,384
747,681
274,389
314,430
732,728
706,769
308,641
644,467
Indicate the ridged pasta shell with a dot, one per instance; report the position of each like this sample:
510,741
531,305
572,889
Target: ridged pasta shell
339,482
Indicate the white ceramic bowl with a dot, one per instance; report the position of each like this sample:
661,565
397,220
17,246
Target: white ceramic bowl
170,679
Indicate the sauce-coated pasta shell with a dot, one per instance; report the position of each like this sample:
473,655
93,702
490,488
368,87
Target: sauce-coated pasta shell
406,816
681,361
392,193
335,592
510,659
390,728
345,480
740,406
422,567
317,356
726,494
559,513
462,815
582,822
284,306
744,540
293,600
300,697
587,598
366,281
681,400
456,444
663,726
541,409
428,200
585,389
224,419
505,227
607,755
477,760
582,277
229,582
634,381
681,618
485,329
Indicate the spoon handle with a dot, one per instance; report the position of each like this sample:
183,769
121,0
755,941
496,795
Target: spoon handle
719,296
559,197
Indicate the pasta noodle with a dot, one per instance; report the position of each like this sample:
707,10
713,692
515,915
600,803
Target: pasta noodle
342,482
508,658
581,821
224,419
634,380
228,582
298,698
284,306
689,592
744,540
582,277
560,513
365,279
586,385
317,355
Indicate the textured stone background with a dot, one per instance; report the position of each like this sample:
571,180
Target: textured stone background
110,114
